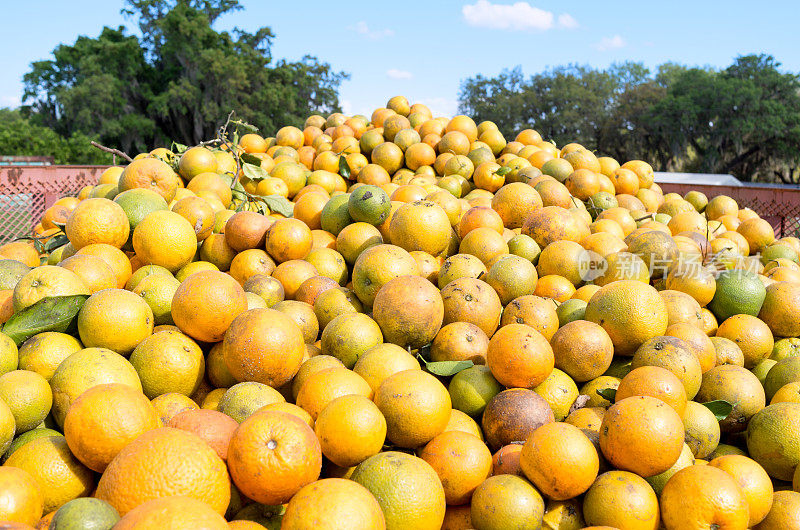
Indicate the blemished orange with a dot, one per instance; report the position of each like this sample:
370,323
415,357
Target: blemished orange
519,356
753,481
278,445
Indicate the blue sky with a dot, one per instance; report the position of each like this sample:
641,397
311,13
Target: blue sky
424,49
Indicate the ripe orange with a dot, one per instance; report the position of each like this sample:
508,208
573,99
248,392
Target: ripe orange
703,496
97,221
263,345
559,460
461,461
206,303
213,427
641,434
416,407
103,420
350,429
278,445
174,512
519,356
23,500
334,503
619,499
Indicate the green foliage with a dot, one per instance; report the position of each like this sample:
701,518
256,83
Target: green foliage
20,137
176,82
743,120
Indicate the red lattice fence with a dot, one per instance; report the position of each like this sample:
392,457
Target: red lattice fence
780,205
27,191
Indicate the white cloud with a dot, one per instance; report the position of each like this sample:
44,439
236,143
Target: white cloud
394,73
518,16
347,107
11,102
362,28
567,21
610,43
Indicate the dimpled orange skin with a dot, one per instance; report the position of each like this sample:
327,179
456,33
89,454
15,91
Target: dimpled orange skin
161,463
173,513
272,455
519,356
703,497
263,345
641,434
204,313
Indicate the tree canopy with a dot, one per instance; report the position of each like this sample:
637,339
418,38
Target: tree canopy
743,120
176,82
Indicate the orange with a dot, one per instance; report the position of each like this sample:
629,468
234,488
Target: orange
655,382
512,415
161,463
582,349
288,239
59,475
535,311
409,311
167,362
559,460
94,272
198,212
619,499
474,301
505,460
350,429
785,511
20,251
416,407
250,262
513,202
46,281
407,488
553,223
519,356
206,303
165,238
323,386
23,500
753,481
103,420
245,230
114,258
702,497
460,341
461,461
641,434
334,503
631,312
381,361
506,501
420,225
97,221
752,335
115,319
780,304
263,345
278,445
213,427
151,174
174,512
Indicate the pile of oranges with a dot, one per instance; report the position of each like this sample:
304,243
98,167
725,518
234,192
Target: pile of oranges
432,327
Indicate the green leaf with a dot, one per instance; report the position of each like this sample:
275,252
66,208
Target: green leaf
505,170
609,394
445,368
277,204
720,408
253,172
344,168
56,242
56,313
178,148
250,158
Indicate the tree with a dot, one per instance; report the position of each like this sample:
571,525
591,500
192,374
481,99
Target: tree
175,83
18,136
743,120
